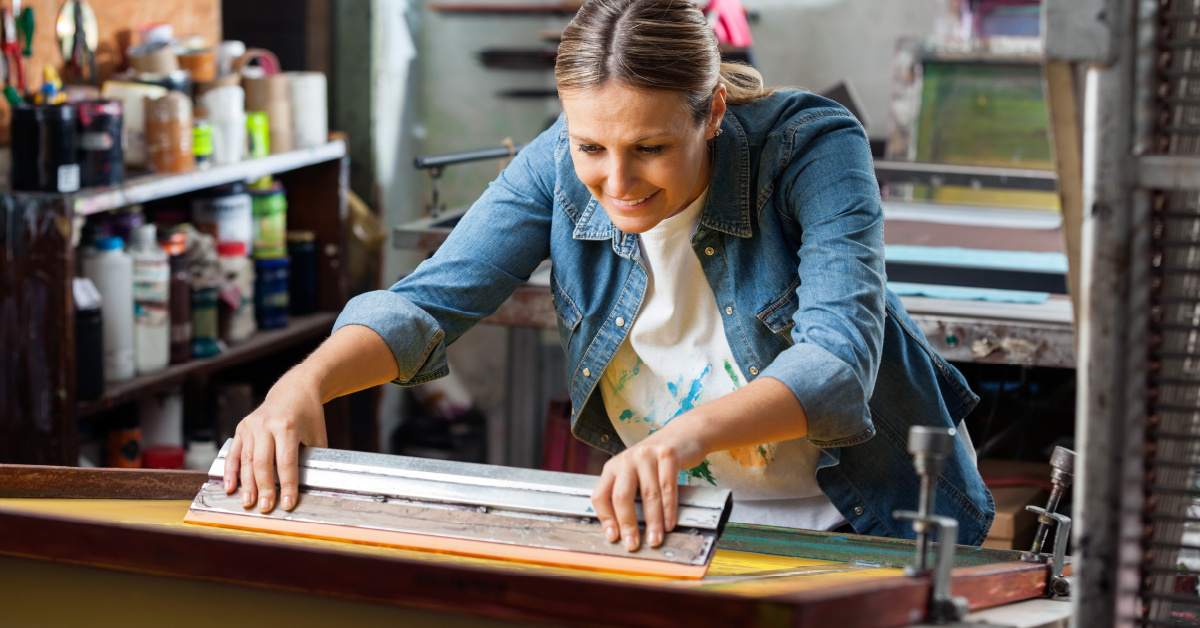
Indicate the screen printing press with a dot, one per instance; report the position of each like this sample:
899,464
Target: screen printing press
111,547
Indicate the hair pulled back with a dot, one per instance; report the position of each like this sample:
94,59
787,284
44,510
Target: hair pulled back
656,44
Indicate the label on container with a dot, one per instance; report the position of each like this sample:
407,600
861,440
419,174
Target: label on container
68,178
151,281
226,218
202,139
96,140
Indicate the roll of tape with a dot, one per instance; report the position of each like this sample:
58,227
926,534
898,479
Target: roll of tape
154,58
310,113
202,64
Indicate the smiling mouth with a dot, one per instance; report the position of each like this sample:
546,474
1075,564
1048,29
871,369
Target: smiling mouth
631,204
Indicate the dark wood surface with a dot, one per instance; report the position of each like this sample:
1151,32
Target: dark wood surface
37,330
526,596
32,481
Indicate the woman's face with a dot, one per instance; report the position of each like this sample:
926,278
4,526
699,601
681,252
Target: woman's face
639,151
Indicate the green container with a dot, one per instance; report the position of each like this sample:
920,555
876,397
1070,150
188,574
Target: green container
259,134
270,222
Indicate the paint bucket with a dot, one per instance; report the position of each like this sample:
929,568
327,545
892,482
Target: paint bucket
44,156
101,160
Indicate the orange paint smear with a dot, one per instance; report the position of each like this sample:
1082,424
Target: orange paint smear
443,545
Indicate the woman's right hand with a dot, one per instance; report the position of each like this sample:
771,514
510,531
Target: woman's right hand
270,438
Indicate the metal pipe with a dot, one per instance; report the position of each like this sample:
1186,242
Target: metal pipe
450,159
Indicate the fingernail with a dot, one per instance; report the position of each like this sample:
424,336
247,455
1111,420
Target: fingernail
228,486
247,499
264,504
631,542
610,533
287,502
654,539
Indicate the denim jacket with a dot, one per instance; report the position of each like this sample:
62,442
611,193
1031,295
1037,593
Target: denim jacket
791,241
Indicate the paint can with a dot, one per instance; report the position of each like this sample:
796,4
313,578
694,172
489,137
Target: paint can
226,213
44,155
169,134
101,159
161,419
271,292
302,283
270,221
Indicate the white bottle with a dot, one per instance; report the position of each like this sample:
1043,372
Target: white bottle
151,294
111,270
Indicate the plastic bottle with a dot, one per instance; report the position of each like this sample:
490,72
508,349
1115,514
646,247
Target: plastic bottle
236,292
111,270
175,245
151,299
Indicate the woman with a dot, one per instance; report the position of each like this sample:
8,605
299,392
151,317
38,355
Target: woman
717,256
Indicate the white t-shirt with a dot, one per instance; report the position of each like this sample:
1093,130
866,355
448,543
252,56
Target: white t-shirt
675,358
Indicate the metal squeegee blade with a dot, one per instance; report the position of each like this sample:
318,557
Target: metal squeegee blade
464,508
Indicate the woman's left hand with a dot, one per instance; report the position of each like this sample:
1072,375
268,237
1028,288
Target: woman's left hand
649,469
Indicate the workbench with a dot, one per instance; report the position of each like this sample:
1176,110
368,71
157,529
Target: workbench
109,547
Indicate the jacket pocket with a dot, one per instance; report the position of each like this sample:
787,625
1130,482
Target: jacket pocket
778,314
568,315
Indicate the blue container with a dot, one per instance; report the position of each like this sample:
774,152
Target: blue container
271,292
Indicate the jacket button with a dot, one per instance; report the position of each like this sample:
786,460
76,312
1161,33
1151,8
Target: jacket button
604,438
728,310
709,250
754,370
858,510
587,373
620,322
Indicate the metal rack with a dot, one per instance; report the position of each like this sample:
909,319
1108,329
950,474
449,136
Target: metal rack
1139,352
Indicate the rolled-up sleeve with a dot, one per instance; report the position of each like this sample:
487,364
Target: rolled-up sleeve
493,249
829,189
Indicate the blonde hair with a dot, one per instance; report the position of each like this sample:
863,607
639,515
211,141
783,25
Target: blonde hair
655,44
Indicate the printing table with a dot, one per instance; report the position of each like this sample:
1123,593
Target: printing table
108,547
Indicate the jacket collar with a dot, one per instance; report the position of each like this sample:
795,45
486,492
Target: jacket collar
727,208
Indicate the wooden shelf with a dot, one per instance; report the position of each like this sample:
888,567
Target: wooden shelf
300,329
140,189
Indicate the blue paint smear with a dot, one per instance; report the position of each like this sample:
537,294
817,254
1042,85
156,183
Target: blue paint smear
626,415
689,402
674,391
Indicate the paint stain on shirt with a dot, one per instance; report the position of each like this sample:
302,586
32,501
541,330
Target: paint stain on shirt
751,457
703,471
729,370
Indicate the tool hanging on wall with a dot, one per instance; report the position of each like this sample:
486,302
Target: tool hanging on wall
471,509
78,37
14,68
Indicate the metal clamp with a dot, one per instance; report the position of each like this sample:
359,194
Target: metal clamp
930,447
1059,585
1062,463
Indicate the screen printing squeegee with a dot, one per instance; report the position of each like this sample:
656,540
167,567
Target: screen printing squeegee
471,509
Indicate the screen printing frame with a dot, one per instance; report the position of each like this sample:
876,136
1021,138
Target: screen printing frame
986,577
